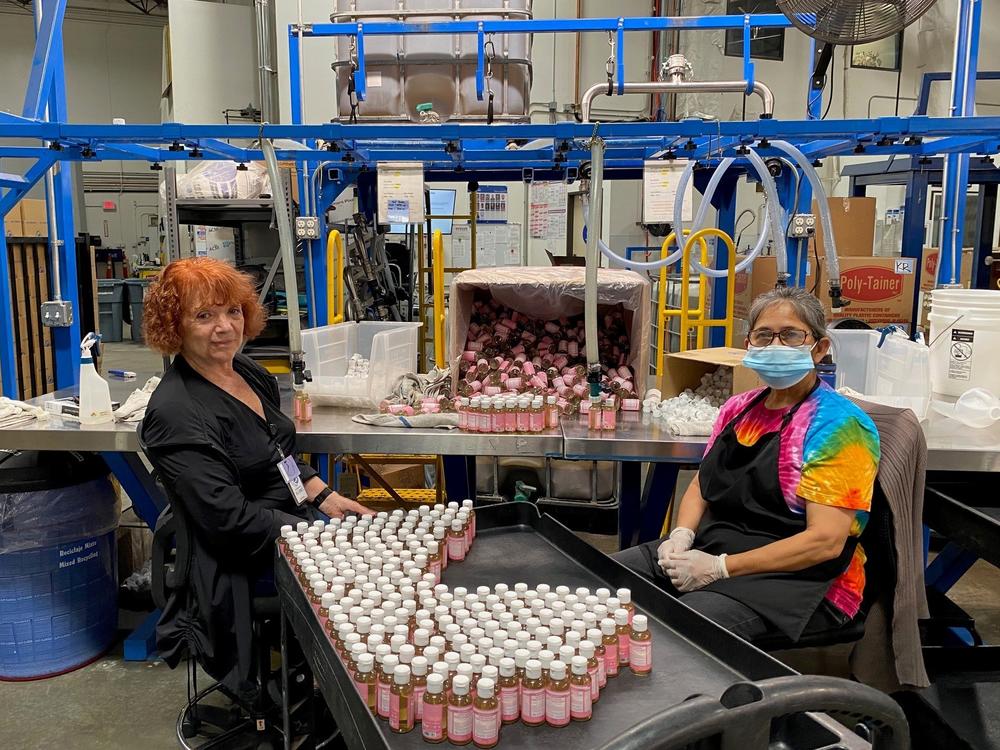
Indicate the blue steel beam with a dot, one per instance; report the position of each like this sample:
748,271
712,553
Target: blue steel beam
956,176
44,63
33,175
8,360
12,180
923,98
547,25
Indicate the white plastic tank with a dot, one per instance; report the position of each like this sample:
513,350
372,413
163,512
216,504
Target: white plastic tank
406,71
964,340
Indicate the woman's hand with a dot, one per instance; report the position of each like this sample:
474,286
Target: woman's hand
694,569
680,540
335,505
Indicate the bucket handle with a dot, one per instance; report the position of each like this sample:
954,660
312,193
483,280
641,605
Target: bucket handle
945,330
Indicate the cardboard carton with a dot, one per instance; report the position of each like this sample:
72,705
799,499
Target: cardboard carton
929,267
750,285
12,225
683,370
853,226
34,217
880,290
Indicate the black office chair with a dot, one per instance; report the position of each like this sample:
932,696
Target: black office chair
254,723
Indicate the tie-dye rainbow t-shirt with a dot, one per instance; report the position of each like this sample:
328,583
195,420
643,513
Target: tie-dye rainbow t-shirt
829,454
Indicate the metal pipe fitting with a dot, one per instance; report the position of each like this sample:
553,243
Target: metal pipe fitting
680,87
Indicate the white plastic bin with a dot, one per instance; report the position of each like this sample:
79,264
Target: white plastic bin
391,349
896,374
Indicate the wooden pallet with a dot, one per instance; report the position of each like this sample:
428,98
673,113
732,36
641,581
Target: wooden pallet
29,273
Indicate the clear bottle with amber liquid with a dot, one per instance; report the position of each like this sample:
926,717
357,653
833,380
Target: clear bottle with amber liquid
589,652
533,694
609,637
401,701
640,647
364,680
557,703
418,681
595,636
509,691
460,712
581,701
384,685
485,715
623,631
434,714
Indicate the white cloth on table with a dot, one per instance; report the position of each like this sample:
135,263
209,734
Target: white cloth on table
134,408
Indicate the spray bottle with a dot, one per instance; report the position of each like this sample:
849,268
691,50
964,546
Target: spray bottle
95,396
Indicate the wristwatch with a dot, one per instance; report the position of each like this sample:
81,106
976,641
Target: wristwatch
323,495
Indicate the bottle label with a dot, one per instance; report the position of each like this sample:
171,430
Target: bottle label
456,548
510,703
611,660
436,571
382,694
485,726
460,723
602,671
623,641
362,688
642,656
580,701
418,702
557,706
595,682
533,705
433,721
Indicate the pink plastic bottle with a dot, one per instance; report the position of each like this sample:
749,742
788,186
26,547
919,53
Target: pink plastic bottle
485,715
510,415
581,706
537,415
432,723
610,638
551,413
557,696
640,647
533,694
460,712
510,693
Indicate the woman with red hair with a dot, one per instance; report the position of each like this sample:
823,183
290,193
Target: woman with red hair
216,434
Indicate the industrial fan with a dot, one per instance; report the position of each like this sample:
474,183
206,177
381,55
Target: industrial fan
848,22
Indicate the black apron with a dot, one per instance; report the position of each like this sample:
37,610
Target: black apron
747,510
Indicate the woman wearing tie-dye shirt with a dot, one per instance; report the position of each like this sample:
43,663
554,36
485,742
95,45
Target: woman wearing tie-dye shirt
767,536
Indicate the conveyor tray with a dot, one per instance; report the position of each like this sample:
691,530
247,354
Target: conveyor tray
691,655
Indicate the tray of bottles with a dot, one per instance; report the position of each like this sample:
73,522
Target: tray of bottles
503,558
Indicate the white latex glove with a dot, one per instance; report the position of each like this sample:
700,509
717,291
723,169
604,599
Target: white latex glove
692,570
680,540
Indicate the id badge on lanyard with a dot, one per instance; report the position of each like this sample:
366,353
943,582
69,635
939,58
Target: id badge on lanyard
289,471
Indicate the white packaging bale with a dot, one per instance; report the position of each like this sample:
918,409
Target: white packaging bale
221,180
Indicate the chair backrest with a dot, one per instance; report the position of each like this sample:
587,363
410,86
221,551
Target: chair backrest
172,546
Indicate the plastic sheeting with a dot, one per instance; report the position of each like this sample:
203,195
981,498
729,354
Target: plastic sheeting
223,181
31,520
549,293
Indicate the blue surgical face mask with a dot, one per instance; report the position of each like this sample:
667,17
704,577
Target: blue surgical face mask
780,366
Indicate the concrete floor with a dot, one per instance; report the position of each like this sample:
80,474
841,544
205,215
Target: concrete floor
116,704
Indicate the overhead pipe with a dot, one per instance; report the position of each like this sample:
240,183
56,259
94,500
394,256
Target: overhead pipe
680,87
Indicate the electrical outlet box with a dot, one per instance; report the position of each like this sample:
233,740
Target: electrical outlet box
306,228
802,226
57,314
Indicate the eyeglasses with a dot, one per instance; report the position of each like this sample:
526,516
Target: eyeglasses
788,336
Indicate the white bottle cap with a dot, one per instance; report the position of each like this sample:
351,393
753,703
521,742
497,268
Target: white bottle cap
639,623
566,654
484,688
557,670
435,684
287,530
458,641
401,675
533,669
586,649
608,625
418,665
582,593
612,603
495,655
579,665
546,657
365,662
406,653
327,600
421,636
357,648
507,667
602,594
594,636
478,661
381,652
553,643
389,663
562,591
467,651
397,642
375,640
521,657
460,685
520,588
621,616
573,638
465,670
452,659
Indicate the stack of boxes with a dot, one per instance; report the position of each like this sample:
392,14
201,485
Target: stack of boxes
27,219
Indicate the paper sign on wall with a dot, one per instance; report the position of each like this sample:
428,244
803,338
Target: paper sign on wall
496,245
660,180
547,210
491,204
400,193
461,246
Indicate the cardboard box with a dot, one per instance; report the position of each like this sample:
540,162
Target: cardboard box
683,370
12,225
34,217
929,267
749,286
853,226
880,290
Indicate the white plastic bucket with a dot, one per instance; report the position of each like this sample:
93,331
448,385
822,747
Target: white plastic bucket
964,341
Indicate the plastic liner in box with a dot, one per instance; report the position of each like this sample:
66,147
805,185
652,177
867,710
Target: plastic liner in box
548,293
